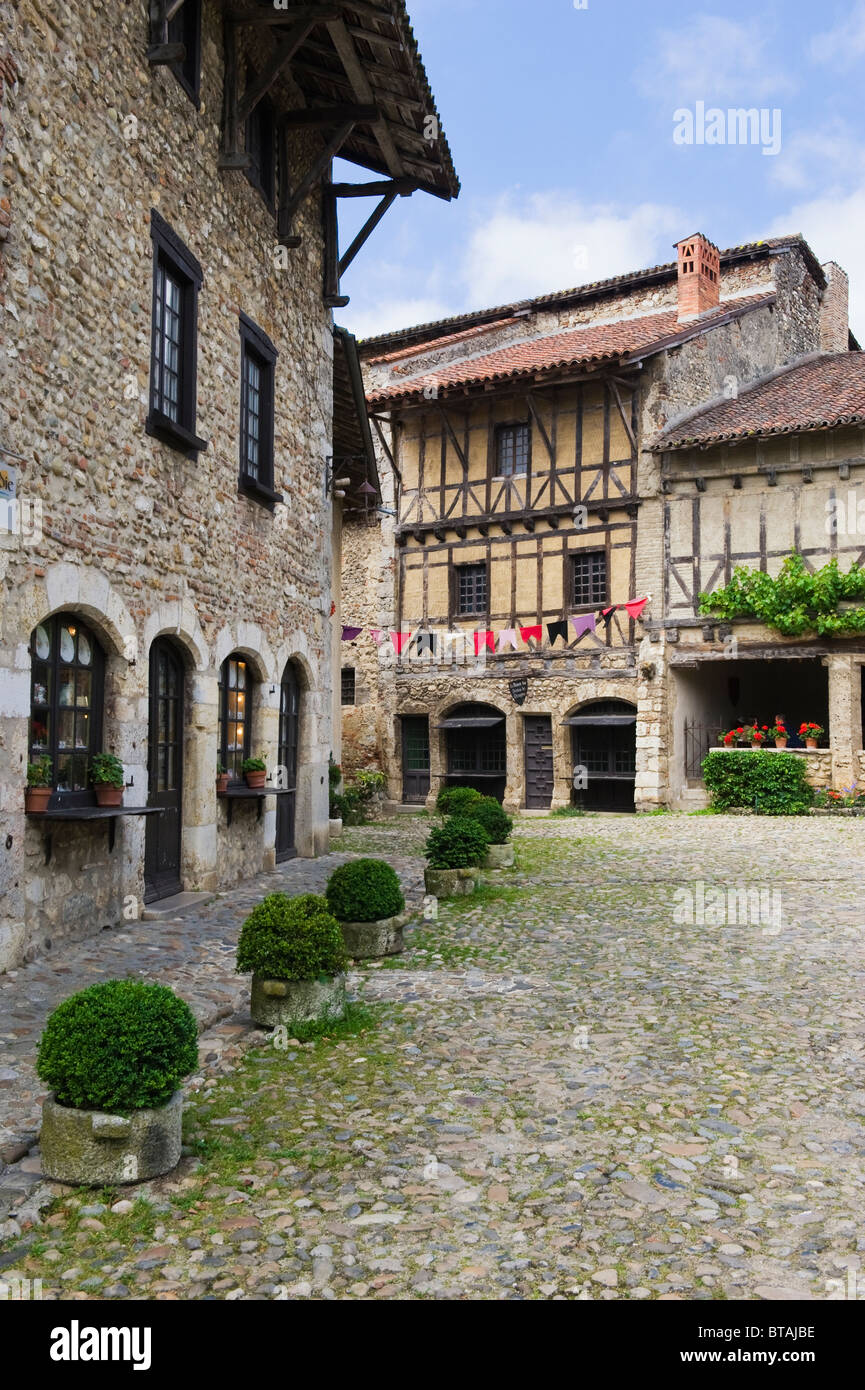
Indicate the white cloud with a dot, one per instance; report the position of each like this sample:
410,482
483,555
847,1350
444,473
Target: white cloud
844,45
832,226
711,58
374,316
830,153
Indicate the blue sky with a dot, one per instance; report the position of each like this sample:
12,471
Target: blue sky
561,122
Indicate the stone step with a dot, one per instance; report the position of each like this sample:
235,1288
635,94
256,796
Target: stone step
176,906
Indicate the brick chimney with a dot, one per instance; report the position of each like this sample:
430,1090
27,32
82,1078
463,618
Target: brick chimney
699,277
835,310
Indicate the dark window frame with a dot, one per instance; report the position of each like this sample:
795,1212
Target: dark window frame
233,759
260,143
344,686
591,603
51,707
457,611
171,256
503,429
255,346
185,28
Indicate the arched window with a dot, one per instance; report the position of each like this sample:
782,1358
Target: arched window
235,714
67,677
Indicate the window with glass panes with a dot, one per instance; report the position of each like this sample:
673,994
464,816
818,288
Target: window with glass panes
177,278
257,398
590,578
512,450
66,691
235,710
348,685
471,590
167,343
251,414
185,27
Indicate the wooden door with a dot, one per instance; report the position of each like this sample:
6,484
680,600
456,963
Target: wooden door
289,727
415,758
539,761
162,846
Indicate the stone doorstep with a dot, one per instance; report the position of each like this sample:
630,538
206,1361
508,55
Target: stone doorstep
176,906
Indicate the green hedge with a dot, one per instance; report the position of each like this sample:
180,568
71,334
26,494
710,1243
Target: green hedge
291,939
118,1046
457,844
366,890
453,801
491,815
774,784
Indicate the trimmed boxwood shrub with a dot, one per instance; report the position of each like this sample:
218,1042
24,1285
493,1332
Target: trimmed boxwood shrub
457,844
774,784
490,814
452,801
291,939
118,1046
364,891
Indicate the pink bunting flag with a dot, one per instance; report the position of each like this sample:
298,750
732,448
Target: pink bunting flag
527,632
377,635
586,623
399,640
508,638
635,607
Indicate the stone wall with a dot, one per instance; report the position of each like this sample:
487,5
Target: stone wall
137,538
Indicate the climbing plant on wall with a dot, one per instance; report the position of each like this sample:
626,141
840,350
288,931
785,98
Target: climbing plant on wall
796,601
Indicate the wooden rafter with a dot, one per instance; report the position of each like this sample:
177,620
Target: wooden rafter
290,203
363,92
625,421
282,55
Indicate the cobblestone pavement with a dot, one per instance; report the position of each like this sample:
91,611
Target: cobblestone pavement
581,1083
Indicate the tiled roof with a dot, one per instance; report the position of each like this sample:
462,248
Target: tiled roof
816,394
577,348
429,332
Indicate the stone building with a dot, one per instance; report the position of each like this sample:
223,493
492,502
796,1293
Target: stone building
169,264
533,501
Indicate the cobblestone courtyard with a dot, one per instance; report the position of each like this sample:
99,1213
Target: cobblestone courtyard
570,1086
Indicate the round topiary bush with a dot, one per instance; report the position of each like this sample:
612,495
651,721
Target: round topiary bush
457,844
291,939
452,801
495,820
118,1046
366,890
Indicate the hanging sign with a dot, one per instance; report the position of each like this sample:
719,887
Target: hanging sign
519,690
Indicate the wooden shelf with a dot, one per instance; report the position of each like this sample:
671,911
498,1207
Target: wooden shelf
111,814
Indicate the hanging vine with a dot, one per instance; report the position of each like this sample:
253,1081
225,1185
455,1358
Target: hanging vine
796,601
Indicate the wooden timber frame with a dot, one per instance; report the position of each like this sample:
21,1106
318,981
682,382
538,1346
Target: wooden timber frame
357,79
448,511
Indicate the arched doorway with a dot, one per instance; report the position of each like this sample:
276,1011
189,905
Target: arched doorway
163,834
604,745
476,748
289,729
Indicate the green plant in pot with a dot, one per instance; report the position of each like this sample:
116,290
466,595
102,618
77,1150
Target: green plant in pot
497,825
454,851
114,1056
451,801
255,771
108,778
222,778
39,786
294,949
366,899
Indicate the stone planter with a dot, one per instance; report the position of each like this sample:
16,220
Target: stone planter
108,796
288,1002
499,857
335,824
450,883
365,940
91,1148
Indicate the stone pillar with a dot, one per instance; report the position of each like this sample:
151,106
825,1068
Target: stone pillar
651,788
199,780
515,784
14,717
845,716
437,762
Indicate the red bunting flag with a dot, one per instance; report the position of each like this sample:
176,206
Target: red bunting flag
635,607
484,639
527,632
399,640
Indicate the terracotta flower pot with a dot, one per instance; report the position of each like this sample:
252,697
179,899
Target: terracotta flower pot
36,799
756,745
255,779
810,743
108,796
221,783
780,743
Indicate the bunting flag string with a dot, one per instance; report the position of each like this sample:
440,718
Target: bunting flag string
428,641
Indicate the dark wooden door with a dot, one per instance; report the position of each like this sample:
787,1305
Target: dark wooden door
415,758
165,773
607,752
289,727
539,761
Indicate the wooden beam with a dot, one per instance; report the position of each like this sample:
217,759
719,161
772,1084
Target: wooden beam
366,231
395,45
363,92
279,58
625,421
377,189
461,531
483,527
331,115
270,18
332,297
163,54
231,151
447,424
529,523
329,75
540,427
289,205
386,447
554,523
507,527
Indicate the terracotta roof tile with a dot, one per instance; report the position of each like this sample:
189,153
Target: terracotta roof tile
576,348
817,394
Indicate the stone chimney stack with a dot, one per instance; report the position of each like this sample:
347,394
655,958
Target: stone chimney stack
835,310
699,277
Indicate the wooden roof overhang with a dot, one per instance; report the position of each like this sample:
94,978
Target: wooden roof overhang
353,452
357,78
